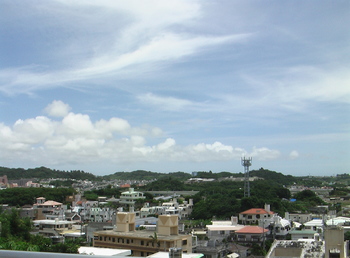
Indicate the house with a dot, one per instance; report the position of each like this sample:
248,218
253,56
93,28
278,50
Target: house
251,234
298,217
223,229
143,242
252,216
56,229
216,247
308,230
314,224
48,207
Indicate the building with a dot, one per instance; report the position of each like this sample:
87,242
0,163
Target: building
130,197
252,216
333,246
4,181
314,224
297,248
57,229
298,217
49,208
279,227
251,234
296,234
171,207
336,247
143,242
223,229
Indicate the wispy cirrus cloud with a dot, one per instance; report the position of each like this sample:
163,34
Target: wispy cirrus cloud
139,43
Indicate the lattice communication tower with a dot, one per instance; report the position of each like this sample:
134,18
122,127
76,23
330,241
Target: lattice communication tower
246,163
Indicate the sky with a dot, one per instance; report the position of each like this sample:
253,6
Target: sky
106,86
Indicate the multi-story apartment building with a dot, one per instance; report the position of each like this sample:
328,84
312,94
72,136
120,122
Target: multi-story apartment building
129,198
143,242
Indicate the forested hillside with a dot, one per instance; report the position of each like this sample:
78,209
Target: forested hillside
43,172
145,175
225,198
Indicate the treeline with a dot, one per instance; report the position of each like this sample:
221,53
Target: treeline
145,175
22,196
43,172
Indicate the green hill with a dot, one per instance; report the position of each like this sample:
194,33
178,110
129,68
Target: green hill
43,172
145,175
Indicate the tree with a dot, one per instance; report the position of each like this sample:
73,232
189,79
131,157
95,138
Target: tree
155,240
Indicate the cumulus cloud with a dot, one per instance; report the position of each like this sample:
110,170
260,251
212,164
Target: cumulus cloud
75,138
57,109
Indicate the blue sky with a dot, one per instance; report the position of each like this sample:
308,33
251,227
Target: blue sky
106,86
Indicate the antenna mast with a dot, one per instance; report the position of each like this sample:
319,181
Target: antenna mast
246,163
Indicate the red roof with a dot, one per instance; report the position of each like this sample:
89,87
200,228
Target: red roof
255,211
252,230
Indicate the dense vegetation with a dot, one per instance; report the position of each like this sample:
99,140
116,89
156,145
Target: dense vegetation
225,198
106,192
15,235
23,196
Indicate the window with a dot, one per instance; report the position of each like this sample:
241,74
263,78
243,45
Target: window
142,242
184,242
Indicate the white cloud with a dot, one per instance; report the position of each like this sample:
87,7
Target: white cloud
264,153
294,154
77,139
57,109
134,38
165,103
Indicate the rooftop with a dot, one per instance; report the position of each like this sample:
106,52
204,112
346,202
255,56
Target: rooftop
252,230
139,234
257,211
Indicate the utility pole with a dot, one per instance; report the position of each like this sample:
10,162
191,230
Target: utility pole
246,163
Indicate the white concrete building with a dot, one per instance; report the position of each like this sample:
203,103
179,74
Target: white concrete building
129,198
